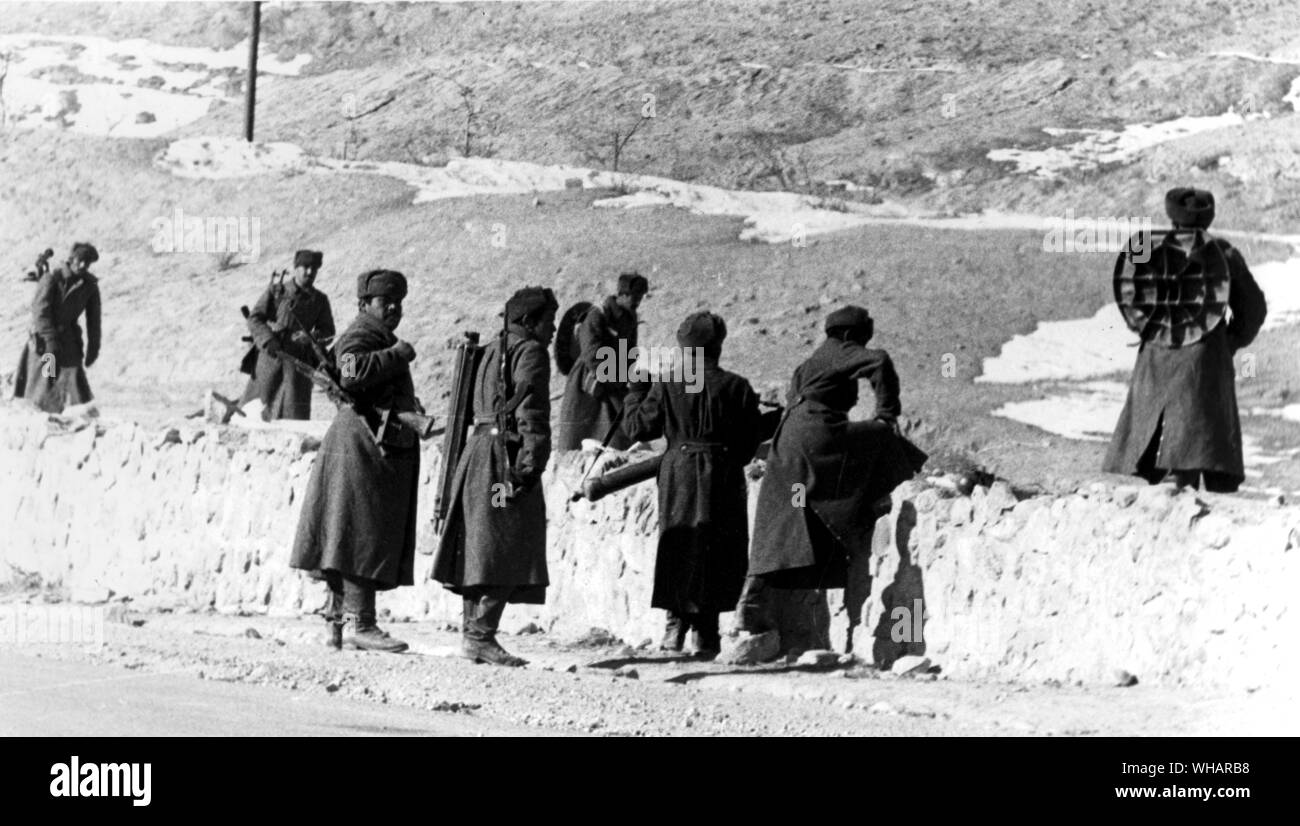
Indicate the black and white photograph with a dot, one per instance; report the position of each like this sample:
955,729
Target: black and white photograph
665,369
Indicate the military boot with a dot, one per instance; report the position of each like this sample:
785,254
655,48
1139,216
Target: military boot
674,634
708,640
334,619
333,632
491,652
361,632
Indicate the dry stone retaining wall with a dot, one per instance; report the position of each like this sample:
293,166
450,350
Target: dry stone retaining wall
1172,588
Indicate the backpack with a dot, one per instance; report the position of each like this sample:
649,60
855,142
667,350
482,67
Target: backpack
567,346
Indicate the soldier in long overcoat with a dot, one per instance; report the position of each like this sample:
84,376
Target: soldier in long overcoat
712,426
597,385
357,527
826,478
274,325
52,373
1181,415
492,551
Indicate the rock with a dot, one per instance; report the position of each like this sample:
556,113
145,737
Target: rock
528,628
1126,496
882,707
627,672
597,638
818,658
258,674
910,664
171,436
1123,679
750,649
1000,497
252,634
331,687
571,668
625,652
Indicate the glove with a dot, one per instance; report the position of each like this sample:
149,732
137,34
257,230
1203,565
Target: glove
405,350
91,358
522,483
272,347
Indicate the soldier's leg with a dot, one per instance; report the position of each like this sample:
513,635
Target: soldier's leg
359,627
1146,467
334,609
1187,479
1216,482
483,607
753,611
674,633
708,642
858,588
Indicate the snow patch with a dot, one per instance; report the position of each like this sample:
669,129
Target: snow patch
121,88
1087,412
1102,146
1065,350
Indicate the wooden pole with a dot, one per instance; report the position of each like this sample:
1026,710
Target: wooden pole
250,98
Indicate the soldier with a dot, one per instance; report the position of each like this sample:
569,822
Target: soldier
593,397
712,429
52,373
276,322
357,529
825,475
493,549
1181,415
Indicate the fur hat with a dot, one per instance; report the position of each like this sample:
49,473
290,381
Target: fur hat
389,283
1188,207
528,302
82,251
704,330
633,283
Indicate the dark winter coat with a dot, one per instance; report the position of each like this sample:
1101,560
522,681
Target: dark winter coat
53,382
592,401
284,392
825,474
496,521
1187,394
358,515
703,524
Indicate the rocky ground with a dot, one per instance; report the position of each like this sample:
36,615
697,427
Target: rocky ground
598,685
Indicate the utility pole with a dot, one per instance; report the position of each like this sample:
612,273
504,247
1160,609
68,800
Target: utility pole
250,98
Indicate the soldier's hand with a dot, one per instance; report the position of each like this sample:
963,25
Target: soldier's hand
91,358
405,350
272,347
523,482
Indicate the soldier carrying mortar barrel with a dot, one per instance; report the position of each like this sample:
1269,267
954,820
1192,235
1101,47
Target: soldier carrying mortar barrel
1195,304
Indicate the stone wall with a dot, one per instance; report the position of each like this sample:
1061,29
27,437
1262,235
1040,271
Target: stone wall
1172,588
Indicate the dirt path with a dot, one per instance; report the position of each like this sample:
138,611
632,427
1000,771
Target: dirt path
574,688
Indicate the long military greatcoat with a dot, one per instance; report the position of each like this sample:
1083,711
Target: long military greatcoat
1187,395
496,535
284,392
703,524
825,473
61,299
593,401
358,515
